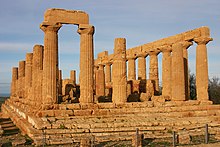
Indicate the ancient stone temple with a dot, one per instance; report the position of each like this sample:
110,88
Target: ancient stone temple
113,97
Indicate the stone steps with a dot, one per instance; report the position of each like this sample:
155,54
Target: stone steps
118,123
8,127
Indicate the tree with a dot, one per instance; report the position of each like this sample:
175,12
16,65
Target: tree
214,90
192,81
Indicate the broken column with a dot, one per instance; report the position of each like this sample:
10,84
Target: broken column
119,79
202,68
166,71
14,82
178,83
153,70
50,63
73,76
28,75
86,66
37,73
21,79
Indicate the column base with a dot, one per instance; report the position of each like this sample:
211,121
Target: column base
205,102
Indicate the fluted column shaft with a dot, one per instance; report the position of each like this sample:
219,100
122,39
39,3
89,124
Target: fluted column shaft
28,74
178,82
119,79
131,69
153,71
202,68
14,82
50,64
60,82
21,79
107,73
100,81
166,73
86,64
107,78
37,73
141,67
73,76
186,45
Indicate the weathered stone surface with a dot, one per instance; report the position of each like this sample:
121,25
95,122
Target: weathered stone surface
54,16
86,66
119,79
50,101
183,139
178,82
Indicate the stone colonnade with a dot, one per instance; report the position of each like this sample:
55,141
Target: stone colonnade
175,73
38,78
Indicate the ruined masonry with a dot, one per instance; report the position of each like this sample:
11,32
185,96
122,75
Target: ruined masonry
113,97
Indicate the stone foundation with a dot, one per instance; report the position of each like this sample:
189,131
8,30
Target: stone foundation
68,123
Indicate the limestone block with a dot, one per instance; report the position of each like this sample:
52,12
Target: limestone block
64,113
106,105
160,99
73,106
1,130
18,142
85,142
82,112
145,97
100,112
137,140
54,16
183,138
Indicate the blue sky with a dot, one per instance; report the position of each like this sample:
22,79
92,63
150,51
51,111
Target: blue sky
139,21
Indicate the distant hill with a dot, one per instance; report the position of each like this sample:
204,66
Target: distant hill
4,95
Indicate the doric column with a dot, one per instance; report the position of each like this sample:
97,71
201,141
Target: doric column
50,64
153,70
37,73
95,74
60,82
107,72
119,79
131,68
202,68
166,70
86,63
141,67
73,76
100,81
107,78
186,45
14,82
28,74
21,79
178,82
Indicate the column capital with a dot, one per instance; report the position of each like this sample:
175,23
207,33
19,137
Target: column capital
186,44
101,65
130,57
108,63
50,28
165,48
154,53
142,55
202,40
86,29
